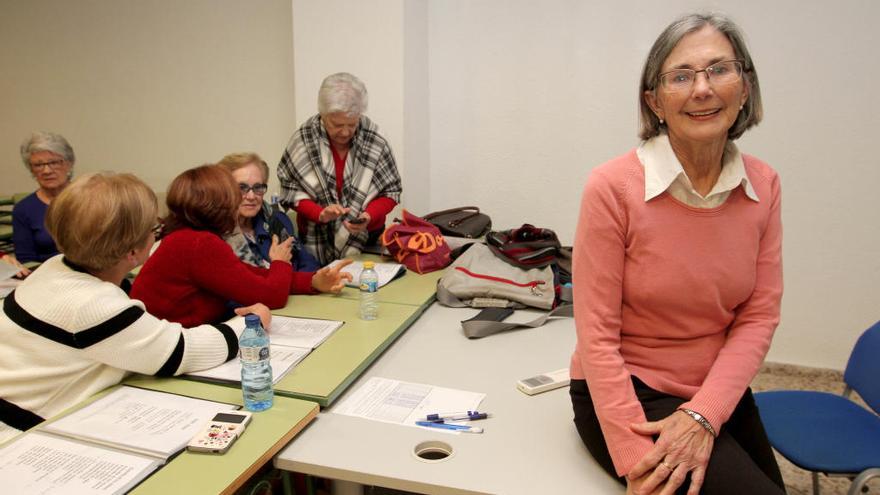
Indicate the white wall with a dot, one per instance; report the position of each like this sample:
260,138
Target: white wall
149,86
506,104
527,97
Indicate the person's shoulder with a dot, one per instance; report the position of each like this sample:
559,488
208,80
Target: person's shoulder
69,299
617,173
186,238
28,203
759,170
371,129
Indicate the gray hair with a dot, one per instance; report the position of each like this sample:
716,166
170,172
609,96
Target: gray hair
46,141
342,92
752,112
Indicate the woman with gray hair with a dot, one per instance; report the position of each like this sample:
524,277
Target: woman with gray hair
49,158
339,174
678,278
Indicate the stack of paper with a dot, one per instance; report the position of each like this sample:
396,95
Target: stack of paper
292,339
107,446
386,272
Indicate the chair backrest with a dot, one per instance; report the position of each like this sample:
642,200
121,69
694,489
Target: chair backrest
863,369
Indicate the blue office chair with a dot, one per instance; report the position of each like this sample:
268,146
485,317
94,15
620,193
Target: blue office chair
828,433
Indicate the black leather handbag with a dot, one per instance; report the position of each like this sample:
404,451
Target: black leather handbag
465,221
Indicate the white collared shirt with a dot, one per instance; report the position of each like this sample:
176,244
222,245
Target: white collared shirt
663,172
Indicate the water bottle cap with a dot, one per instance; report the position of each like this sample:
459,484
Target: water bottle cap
252,320
368,265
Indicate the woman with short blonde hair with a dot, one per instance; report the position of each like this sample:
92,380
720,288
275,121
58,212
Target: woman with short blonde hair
70,330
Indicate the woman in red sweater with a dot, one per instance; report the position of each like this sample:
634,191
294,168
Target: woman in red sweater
194,277
678,279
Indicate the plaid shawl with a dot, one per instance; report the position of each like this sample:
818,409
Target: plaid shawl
306,171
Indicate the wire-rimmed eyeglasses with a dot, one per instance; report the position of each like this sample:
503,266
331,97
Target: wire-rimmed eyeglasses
718,74
259,189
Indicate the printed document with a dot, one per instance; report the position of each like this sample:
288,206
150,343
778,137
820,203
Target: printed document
282,358
386,272
144,421
292,339
394,401
46,464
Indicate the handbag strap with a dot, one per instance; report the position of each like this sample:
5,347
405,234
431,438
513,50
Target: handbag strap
453,223
475,329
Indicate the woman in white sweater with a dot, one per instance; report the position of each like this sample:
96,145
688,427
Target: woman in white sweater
70,330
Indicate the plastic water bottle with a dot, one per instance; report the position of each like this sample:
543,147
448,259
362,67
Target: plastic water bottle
369,284
256,371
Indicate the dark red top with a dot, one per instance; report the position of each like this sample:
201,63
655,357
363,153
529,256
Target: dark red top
194,275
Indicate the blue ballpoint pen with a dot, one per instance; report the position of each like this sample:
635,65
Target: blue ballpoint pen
462,416
447,426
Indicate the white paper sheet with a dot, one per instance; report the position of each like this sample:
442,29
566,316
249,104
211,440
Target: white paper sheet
46,464
7,270
394,401
282,358
301,332
146,421
386,272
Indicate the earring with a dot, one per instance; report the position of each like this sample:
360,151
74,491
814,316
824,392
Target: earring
661,121
740,107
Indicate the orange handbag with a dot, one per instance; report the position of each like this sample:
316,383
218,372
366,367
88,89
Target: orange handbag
417,244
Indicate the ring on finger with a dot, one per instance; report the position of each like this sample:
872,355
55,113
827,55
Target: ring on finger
667,466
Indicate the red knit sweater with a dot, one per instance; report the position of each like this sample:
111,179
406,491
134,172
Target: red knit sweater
194,274
686,299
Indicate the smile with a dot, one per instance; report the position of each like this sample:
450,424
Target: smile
704,113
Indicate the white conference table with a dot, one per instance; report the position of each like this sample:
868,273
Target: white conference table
529,446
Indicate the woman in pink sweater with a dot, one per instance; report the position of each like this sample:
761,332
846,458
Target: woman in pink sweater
678,278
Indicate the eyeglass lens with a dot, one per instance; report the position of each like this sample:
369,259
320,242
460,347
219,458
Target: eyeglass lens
726,72
258,189
54,164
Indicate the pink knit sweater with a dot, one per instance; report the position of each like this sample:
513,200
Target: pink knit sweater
685,299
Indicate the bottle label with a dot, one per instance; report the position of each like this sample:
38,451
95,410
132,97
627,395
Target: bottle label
370,286
253,354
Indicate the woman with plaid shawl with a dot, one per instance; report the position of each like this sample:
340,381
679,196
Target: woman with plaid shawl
338,173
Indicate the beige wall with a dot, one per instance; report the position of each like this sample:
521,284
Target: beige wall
147,86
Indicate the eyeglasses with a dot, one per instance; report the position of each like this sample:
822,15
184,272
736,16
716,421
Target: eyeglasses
258,189
54,165
718,74
157,230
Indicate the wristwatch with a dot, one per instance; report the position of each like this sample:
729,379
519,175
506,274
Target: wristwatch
699,419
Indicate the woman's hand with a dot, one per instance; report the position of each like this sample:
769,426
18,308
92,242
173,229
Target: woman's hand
280,251
332,212
331,279
634,487
23,271
683,446
360,226
258,309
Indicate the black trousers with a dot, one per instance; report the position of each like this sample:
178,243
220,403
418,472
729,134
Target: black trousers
742,460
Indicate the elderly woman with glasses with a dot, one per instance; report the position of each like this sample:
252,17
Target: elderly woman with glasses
70,330
259,222
194,277
339,174
678,278
49,158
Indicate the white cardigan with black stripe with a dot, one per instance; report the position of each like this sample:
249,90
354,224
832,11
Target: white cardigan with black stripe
66,335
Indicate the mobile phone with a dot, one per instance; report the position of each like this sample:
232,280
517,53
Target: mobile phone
543,382
220,432
358,220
